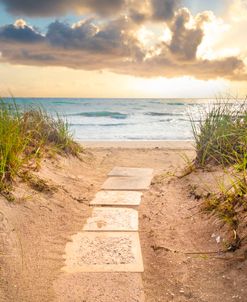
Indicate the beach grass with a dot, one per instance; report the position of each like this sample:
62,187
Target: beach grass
230,206
221,134
28,135
221,139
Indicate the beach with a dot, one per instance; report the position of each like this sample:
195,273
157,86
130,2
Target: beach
168,145
174,236
123,151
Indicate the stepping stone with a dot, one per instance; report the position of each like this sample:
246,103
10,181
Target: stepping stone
126,172
104,252
112,219
119,198
127,183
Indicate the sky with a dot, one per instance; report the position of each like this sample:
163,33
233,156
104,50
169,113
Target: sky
123,48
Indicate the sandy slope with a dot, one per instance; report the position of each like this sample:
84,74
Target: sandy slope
34,232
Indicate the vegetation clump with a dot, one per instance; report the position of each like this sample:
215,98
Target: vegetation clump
27,136
221,139
230,206
221,134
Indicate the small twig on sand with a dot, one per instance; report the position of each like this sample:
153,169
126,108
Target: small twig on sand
242,257
45,207
25,206
188,217
58,205
200,253
195,206
156,248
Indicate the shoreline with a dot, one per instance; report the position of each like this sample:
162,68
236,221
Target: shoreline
168,145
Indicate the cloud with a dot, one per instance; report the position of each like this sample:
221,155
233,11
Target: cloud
83,45
114,45
152,10
19,32
138,10
163,9
111,40
185,40
60,7
104,7
231,68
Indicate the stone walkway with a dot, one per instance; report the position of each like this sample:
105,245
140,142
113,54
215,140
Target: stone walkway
109,241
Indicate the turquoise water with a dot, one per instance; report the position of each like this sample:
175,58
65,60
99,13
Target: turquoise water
123,119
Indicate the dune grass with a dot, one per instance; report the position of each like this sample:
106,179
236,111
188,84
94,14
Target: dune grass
221,139
221,134
230,206
28,135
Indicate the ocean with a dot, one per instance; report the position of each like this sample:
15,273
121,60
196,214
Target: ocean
123,119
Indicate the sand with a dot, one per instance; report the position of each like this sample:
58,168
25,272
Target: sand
35,230
168,145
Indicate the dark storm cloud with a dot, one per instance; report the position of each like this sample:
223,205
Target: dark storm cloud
113,45
57,7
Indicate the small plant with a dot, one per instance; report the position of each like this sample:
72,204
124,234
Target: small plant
189,166
228,205
38,184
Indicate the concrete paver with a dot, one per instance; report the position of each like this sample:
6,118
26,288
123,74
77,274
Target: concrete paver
104,252
112,219
118,198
